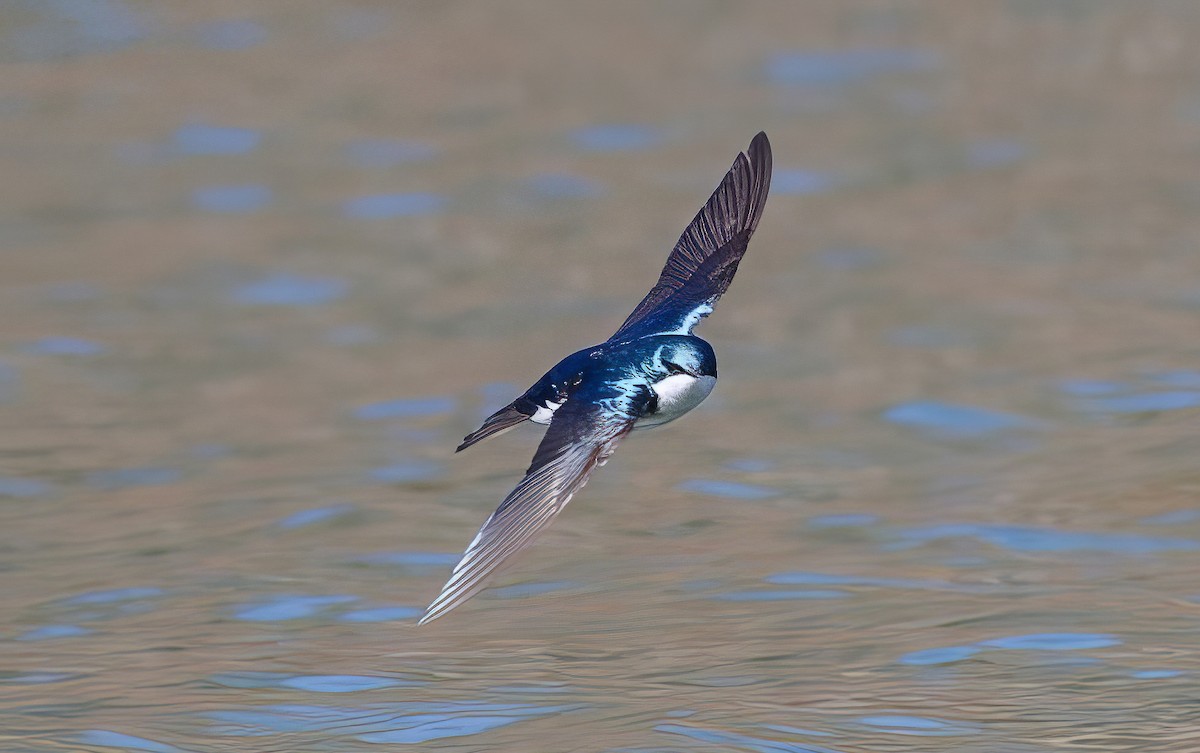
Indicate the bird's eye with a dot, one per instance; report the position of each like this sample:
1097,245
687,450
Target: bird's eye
674,368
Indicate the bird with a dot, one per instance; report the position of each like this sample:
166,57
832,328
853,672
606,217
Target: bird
651,371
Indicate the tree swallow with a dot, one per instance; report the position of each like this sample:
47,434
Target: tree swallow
653,370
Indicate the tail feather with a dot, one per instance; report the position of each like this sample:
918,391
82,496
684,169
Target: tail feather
502,420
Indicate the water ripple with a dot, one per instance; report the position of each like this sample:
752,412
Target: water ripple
381,614
782,595
315,515
54,632
108,739
406,408
956,421
283,289
204,139
385,206
731,489
617,137
232,199
1026,539
231,34
23,488
289,607
834,68
124,478
918,725
1053,641
757,744
65,346
406,723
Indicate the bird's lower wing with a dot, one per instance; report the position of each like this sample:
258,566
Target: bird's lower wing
706,257
583,434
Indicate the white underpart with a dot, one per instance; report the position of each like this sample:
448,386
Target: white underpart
692,320
545,412
677,394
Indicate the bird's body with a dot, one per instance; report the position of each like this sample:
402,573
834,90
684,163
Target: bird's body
650,372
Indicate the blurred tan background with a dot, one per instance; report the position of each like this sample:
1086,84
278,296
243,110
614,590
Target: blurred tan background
264,264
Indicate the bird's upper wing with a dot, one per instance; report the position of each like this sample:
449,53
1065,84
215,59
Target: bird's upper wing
703,262
582,435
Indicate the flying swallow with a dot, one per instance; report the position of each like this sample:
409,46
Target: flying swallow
651,371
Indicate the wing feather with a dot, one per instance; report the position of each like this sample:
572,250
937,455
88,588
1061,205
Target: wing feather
705,259
582,435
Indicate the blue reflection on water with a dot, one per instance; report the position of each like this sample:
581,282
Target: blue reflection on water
384,206
116,595
37,678
383,153
65,346
832,68
1027,539
108,739
1172,518
563,186
413,722
917,725
531,589
23,488
731,489
315,515
956,421
944,655
203,139
283,289
616,137
845,520
1182,378
797,182
829,579
1156,674
994,153
232,199
51,632
73,27
406,408
1028,642
122,478
407,472
1053,641
723,737
1089,387
290,607
1146,402
381,614
339,683
782,595
231,34
410,559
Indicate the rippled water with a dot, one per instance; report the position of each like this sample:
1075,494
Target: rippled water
264,267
